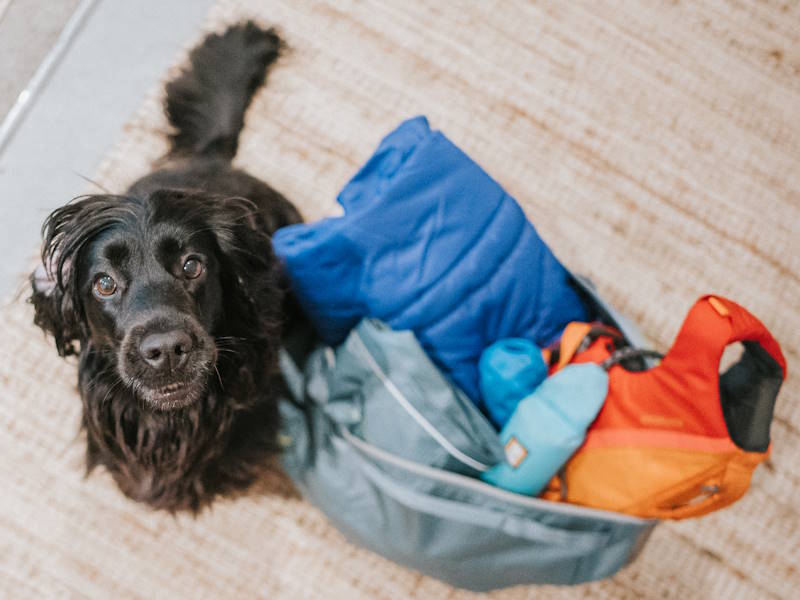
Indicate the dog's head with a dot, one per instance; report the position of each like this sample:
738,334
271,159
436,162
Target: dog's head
160,286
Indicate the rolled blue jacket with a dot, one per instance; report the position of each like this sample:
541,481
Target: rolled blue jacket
430,243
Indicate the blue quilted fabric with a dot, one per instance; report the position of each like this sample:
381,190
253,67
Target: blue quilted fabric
430,243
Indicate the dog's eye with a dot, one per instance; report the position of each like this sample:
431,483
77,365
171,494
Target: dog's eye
104,286
192,268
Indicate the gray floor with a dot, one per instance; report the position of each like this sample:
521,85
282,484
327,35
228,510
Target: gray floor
28,30
115,57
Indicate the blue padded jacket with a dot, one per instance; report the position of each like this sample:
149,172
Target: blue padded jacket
430,243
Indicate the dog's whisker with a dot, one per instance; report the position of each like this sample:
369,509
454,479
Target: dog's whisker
97,379
107,395
219,377
232,346
95,183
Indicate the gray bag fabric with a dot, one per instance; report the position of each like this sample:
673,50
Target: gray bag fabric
380,381
388,449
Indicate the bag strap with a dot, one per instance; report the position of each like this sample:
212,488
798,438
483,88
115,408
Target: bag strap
623,354
574,335
578,336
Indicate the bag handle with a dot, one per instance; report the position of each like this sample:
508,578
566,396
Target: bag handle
742,325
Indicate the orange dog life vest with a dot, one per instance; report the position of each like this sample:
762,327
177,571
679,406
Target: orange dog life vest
677,440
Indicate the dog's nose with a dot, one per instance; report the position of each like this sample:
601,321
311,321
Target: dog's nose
168,350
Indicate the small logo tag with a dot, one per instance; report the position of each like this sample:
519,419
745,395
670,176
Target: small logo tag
515,452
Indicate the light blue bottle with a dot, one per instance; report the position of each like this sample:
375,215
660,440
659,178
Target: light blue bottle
510,369
547,427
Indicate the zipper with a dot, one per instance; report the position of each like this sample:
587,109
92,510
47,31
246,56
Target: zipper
457,454
484,488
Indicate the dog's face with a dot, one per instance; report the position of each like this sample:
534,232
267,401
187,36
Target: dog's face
152,297
155,286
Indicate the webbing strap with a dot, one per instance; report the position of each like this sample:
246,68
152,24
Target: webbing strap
626,353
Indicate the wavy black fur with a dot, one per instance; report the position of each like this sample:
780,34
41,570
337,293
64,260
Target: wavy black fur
217,434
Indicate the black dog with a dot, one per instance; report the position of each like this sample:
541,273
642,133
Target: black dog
172,298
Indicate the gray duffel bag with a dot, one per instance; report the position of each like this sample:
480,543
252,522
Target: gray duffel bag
390,451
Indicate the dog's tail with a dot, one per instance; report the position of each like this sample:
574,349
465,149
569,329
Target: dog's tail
206,103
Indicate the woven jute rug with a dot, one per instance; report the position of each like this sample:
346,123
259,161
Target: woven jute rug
655,147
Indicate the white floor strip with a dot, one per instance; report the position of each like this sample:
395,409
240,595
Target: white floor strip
112,55
28,95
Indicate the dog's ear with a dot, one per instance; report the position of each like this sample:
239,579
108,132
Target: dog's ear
54,296
251,273
54,306
236,223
